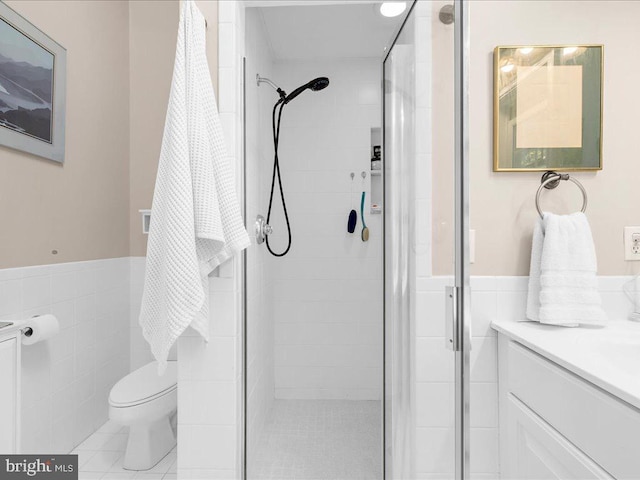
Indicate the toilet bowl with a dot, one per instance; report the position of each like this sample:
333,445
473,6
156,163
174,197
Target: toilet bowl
146,403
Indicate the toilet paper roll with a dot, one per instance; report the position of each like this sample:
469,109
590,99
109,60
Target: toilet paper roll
39,328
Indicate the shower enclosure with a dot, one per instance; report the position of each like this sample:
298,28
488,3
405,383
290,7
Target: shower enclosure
351,338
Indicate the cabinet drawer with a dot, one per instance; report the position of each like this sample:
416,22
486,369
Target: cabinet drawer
600,425
539,452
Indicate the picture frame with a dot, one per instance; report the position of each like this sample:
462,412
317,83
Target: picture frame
548,104
32,88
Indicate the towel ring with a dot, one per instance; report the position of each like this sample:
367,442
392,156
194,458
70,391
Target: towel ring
551,180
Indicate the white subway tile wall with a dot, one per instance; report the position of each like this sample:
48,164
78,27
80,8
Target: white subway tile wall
435,388
209,401
66,380
62,377
327,291
260,331
314,317
423,168
210,445
140,352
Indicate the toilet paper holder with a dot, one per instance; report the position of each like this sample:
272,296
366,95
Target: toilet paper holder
27,331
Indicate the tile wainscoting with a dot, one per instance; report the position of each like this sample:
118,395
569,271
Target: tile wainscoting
66,380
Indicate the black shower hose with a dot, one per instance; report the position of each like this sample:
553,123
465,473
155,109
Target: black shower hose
276,172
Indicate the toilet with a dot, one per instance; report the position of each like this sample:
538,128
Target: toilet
147,404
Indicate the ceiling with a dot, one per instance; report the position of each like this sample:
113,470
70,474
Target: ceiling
328,31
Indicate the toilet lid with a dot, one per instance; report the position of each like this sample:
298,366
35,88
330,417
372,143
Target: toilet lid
144,384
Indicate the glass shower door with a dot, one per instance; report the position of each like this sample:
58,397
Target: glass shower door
426,248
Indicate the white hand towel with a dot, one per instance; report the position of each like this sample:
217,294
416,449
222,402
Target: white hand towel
533,298
632,291
568,283
195,218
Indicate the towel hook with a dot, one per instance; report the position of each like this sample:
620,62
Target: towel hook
551,180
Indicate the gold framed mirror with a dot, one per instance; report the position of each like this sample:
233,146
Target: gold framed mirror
548,108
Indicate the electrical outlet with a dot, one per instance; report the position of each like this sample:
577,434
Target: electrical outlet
632,243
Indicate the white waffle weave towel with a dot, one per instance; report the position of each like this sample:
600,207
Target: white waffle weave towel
195,218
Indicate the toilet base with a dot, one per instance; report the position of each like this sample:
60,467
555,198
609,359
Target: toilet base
148,444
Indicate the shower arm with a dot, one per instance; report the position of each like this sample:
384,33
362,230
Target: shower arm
260,80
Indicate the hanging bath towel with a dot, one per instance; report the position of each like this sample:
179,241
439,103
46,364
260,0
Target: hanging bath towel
195,217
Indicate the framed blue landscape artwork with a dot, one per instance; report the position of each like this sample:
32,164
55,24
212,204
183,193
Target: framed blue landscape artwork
32,88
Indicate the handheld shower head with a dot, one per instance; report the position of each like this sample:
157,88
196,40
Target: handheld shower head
318,83
314,85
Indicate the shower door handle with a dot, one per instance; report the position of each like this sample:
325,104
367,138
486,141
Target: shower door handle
451,327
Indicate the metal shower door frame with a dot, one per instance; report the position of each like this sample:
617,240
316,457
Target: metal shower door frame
462,250
462,468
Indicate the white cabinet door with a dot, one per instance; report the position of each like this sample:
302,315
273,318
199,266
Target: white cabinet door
539,452
8,387
603,428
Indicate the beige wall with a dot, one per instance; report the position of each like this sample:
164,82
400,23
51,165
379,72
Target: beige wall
152,43
79,208
120,61
502,204
152,46
88,207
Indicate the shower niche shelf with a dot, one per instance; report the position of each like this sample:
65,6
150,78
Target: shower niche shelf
376,171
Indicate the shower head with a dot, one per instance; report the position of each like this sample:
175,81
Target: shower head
318,83
315,85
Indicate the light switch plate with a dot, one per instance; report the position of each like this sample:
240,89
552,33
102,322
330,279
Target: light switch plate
632,243
146,220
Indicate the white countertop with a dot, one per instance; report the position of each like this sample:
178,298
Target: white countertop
608,357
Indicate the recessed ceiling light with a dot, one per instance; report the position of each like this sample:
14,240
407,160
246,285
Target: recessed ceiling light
392,9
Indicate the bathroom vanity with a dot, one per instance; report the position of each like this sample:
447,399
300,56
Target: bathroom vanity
569,401
10,390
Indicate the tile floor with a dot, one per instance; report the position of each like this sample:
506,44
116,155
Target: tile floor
319,439
100,457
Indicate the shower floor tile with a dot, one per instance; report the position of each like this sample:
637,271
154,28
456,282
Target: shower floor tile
101,455
319,440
